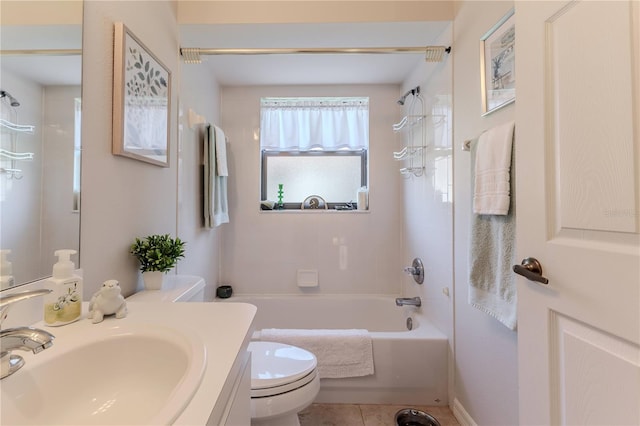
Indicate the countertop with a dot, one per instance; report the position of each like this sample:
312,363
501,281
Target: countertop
225,329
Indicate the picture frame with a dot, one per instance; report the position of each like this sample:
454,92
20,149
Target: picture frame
497,65
141,101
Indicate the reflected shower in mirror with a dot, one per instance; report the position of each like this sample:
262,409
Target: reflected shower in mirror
40,116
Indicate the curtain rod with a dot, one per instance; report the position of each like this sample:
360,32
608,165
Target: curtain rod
50,52
192,55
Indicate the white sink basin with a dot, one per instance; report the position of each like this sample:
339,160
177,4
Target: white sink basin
111,373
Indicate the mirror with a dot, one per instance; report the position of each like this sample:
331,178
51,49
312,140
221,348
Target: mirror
40,112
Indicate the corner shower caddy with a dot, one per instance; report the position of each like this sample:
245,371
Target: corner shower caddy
8,127
414,135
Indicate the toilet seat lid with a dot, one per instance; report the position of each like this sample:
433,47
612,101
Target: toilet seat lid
276,364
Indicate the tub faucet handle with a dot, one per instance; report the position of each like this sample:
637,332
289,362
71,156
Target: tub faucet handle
416,270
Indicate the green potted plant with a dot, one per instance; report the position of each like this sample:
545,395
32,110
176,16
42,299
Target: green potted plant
157,254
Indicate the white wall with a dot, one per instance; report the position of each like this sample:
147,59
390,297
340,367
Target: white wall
21,199
485,351
122,198
41,12
199,92
60,224
428,199
37,216
263,250
241,12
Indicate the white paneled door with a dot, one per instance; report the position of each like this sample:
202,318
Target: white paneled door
578,210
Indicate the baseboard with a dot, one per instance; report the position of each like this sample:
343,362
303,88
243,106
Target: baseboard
461,414
363,395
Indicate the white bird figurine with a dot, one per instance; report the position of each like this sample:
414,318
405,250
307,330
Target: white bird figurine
107,301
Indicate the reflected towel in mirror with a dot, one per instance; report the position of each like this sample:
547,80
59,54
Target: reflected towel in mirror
216,207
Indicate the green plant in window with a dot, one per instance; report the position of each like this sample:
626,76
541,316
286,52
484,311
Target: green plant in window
280,195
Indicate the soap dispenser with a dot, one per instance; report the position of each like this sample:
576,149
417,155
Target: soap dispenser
6,270
64,304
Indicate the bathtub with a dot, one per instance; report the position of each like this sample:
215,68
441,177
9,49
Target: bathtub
410,365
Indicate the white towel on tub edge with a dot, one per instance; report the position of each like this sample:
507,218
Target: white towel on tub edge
340,353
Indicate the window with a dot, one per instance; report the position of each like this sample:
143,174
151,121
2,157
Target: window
77,152
314,147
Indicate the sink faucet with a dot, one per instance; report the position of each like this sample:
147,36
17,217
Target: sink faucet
23,338
412,301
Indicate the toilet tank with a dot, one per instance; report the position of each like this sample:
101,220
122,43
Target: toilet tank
175,288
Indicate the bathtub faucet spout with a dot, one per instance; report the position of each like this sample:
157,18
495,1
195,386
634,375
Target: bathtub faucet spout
412,301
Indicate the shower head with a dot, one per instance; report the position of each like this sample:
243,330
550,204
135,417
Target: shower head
415,91
12,101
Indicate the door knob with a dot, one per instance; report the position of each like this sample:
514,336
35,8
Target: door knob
531,269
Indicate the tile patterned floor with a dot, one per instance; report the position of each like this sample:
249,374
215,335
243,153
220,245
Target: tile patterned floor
366,415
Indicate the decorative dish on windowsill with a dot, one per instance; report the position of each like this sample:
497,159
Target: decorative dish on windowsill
313,202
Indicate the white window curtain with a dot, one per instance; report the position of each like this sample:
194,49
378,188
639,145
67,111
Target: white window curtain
306,124
146,125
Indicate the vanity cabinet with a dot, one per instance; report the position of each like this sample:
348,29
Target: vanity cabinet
238,408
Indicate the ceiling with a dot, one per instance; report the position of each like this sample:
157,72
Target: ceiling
44,69
297,69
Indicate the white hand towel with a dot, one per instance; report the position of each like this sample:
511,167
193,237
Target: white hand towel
221,204
209,153
216,206
492,283
340,353
221,152
492,167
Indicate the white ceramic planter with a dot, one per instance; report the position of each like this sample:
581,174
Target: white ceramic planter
153,280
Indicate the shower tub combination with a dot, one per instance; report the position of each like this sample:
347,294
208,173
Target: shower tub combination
410,365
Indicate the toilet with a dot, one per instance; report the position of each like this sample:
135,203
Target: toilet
284,378
175,288
284,381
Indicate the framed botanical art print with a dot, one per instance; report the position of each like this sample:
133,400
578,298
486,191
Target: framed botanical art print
141,100
498,64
